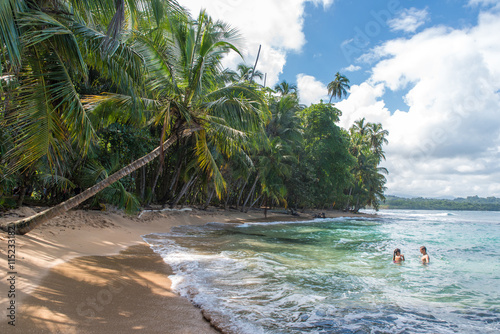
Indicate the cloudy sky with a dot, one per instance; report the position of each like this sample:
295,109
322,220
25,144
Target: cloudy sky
429,71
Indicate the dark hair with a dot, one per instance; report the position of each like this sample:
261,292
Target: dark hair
423,247
397,250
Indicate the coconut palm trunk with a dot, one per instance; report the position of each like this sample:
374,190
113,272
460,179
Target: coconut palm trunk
241,193
23,226
250,194
184,190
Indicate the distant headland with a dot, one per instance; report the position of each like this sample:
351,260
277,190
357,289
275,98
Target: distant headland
472,203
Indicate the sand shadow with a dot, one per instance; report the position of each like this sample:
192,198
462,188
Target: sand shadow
125,293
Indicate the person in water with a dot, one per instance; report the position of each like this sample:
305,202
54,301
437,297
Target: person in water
397,257
425,256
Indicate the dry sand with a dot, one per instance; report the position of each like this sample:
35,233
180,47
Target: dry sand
91,272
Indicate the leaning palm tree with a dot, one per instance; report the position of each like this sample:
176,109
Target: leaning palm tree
338,87
184,85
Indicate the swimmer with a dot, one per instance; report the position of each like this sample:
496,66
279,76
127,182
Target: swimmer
425,257
397,257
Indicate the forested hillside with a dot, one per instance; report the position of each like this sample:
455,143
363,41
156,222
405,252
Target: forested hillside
472,203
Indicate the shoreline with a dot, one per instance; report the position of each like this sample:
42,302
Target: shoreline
91,271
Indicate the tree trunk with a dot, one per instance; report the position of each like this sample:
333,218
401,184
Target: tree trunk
25,180
158,173
184,189
143,182
209,199
356,208
241,193
348,200
228,197
253,203
23,226
173,184
250,194
22,193
265,208
194,197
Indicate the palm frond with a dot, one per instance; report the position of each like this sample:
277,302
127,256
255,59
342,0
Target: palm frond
40,131
109,108
241,105
122,64
40,28
57,181
9,31
207,162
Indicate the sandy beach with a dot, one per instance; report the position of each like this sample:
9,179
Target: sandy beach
91,272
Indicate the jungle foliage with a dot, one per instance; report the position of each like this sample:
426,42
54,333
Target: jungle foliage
88,87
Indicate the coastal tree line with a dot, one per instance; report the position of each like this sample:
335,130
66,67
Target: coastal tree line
469,203
112,102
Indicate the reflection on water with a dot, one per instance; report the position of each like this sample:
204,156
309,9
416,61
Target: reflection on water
336,276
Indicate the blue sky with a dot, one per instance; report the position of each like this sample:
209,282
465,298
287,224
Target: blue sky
428,71
338,35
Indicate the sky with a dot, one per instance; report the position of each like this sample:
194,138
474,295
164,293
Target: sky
428,71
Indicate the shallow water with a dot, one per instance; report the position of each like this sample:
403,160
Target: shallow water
337,275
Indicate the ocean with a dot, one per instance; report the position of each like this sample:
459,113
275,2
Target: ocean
337,275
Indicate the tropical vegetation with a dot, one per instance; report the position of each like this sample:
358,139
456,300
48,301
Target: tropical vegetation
114,103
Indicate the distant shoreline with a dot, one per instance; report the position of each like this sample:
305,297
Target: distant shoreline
471,203
434,209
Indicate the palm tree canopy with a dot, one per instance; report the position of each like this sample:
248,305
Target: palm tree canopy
284,88
49,48
338,87
189,87
245,72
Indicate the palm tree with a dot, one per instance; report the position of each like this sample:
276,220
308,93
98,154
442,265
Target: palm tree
273,167
377,139
369,180
338,87
284,133
186,89
284,88
360,127
49,49
285,122
243,73
190,89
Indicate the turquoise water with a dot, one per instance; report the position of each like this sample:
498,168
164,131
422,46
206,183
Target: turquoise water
337,276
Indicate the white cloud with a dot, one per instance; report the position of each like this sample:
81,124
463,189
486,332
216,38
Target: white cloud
363,101
325,3
351,68
409,20
448,141
482,2
275,26
311,90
